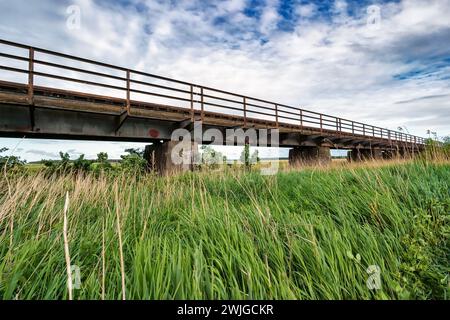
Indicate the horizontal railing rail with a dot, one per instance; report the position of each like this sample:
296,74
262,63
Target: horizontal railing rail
199,99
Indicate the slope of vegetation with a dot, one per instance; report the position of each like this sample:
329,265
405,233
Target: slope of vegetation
310,234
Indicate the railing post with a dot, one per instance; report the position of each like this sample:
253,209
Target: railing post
192,103
321,122
353,127
202,104
373,131
31,75
364,129
301,118
128,92
276,114
245,112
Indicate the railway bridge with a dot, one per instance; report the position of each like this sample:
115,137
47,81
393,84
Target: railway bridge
48,94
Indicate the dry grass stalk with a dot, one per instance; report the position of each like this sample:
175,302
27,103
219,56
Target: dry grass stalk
122,264
66,248
103,259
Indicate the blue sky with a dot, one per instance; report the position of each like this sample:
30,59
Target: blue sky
321,55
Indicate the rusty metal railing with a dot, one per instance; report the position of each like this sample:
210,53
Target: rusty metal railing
197,98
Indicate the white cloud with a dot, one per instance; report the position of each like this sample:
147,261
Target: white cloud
306,10
269,17
232,6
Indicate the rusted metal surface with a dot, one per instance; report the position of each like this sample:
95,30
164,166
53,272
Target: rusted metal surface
214,106
128,92
245,112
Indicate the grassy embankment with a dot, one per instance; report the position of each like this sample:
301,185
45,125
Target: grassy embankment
297,235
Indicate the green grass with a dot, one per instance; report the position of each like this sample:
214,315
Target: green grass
297,235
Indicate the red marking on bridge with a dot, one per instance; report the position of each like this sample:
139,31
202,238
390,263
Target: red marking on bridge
153,133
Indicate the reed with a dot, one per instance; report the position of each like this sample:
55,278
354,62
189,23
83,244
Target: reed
308,234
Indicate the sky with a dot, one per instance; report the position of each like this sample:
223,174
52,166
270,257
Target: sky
385,63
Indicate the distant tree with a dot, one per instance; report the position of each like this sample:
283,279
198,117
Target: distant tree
211,158
133,161
245,156
49,163
58,166
81,164
446,142
10,162
102,157
65,161
255,157
139,152
102,162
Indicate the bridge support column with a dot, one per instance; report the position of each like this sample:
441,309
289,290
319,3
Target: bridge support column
389,154
403,153
377,154
359,154
171,157
309,155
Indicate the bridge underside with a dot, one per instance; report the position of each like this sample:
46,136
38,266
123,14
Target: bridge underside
59,114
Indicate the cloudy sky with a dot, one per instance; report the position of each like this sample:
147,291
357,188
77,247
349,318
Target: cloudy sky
386,63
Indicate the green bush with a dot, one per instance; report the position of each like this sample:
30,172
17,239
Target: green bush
10,163
133,161
102,164
82,165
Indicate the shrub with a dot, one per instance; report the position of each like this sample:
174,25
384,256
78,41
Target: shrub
102,163
10,162
133,161
82,165
211,158
58,166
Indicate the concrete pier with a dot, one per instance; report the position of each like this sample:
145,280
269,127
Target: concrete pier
365,154
309,155
171,157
